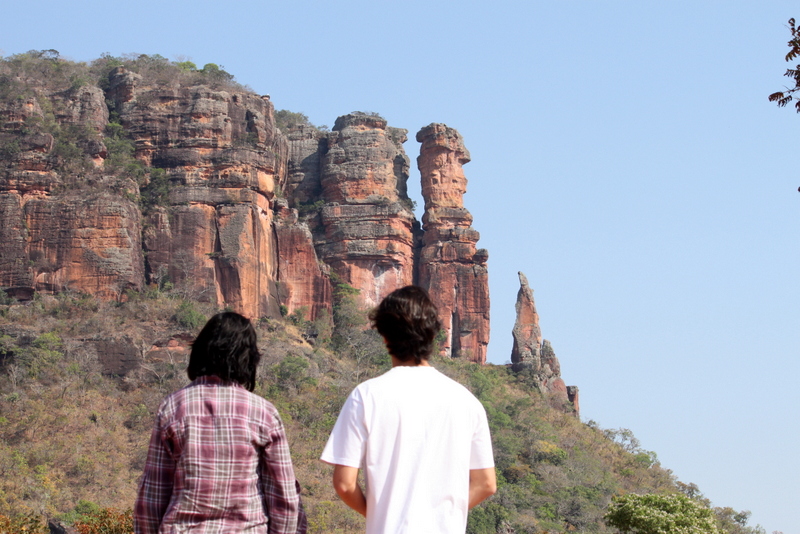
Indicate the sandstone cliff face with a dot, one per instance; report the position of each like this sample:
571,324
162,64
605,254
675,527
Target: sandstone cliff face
306,146
222,157
304,283
154,179
450,266
61,231
364,229
368,239
534,355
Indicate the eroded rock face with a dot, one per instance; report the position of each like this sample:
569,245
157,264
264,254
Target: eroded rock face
533,355
527,347
59,231
306,146
304,283
223,159
366,230
450,266
227,208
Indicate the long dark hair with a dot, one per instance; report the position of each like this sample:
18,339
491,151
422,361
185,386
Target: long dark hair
226,347
408,321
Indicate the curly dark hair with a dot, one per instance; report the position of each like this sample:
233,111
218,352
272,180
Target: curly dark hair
408,321
226,347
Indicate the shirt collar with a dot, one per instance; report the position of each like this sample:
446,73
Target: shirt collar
214,380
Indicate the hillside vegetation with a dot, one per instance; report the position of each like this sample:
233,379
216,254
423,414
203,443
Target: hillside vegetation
71,433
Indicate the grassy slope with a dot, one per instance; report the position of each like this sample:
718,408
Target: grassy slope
67,432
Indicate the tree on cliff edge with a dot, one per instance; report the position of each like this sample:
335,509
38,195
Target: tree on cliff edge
784,97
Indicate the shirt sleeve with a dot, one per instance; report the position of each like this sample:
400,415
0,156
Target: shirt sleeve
155,488
481,456
281,493
347,442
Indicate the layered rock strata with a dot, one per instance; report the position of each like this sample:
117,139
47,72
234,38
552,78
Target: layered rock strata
225,207
60,232
304,282
366,229
534,355
450,266
223,159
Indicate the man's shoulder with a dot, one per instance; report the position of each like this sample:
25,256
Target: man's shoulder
408,379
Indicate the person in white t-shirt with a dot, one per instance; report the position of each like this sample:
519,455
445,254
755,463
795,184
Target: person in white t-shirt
421,438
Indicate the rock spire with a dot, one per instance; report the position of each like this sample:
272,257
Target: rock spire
450,266
535,356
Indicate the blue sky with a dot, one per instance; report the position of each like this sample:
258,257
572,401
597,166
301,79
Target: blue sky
625,158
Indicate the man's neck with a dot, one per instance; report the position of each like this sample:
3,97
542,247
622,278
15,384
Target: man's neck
409,363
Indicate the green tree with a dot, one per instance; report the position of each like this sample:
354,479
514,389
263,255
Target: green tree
284,119
734,522
784,97
660,514
292,373
188,316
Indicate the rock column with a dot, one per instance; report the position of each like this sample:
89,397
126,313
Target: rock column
366,225
450,266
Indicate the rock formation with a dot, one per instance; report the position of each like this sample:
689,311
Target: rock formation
527,347
351,185
183,181
221,154
304,283
450,266
367,236
534,355
59,233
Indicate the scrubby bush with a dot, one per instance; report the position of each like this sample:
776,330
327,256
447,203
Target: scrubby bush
188,316
27,524
105,521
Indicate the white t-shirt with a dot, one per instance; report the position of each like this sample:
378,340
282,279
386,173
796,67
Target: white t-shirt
416,434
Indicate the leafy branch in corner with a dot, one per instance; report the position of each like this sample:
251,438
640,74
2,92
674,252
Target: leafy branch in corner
784,97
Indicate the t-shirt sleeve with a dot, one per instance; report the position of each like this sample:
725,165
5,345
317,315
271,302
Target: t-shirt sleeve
481,456
349,436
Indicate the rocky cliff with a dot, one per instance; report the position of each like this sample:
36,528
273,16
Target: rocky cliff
63,223
366,224
154,175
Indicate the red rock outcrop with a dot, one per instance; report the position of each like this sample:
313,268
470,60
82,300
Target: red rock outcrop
223,158
85,237
367,234
533,355
303,283
306,146
224,205
450,266
527,347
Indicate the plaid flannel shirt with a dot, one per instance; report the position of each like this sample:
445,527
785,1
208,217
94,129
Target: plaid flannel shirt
218,462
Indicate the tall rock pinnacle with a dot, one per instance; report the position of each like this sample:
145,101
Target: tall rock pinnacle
534,355
527,348
450,267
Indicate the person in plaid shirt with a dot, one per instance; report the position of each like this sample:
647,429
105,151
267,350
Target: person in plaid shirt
218,460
